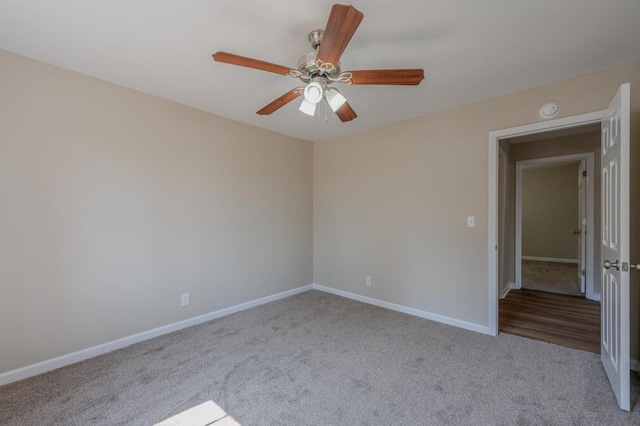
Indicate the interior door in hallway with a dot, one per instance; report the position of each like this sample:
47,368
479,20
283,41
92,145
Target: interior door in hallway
615,245
582,225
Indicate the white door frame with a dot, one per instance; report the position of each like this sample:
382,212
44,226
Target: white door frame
557,161
494,140
503,287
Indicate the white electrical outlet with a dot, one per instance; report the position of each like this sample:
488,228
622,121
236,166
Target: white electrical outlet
367,280
186,299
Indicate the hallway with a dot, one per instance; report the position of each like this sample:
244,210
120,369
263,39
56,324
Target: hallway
568,321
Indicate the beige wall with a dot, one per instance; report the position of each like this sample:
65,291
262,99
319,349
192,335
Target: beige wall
114,203
550,212
392,202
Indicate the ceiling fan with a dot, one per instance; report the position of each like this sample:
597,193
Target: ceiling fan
321,67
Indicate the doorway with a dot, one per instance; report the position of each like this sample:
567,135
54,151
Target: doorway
555,211
551,236
548,255
497,140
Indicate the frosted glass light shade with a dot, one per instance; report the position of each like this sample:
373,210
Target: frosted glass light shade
335,99
313,92
308,107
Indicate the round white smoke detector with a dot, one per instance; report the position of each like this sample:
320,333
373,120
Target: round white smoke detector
549,110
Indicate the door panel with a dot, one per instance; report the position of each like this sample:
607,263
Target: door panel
615,245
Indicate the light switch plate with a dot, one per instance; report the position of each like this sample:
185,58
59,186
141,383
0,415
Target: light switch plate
471,221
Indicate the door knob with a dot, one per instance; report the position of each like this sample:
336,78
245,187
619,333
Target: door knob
635,266
576,232
608,264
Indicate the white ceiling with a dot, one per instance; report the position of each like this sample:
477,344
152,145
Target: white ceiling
470,50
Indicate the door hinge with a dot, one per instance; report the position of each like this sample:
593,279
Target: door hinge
584,272
584,173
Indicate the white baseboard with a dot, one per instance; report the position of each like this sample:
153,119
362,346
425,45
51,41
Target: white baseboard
595,297
506,290
405,309
550,259
72,358
635,365
514,286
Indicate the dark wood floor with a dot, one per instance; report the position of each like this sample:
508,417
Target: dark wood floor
564,320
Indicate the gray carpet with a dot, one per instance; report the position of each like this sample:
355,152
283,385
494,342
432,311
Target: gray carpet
318,359
552,277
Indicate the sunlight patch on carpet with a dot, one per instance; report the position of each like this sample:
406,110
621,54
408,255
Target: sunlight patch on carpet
205,414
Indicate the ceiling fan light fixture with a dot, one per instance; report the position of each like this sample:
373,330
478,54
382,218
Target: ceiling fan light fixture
314,92
308,107
321,67
335,99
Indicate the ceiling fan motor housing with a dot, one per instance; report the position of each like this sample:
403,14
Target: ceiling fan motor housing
309,67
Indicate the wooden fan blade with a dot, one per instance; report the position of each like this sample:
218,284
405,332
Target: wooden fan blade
230,58
342,24
408,77
281,101
346,113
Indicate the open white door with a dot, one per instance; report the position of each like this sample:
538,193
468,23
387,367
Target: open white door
615,245
582,225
